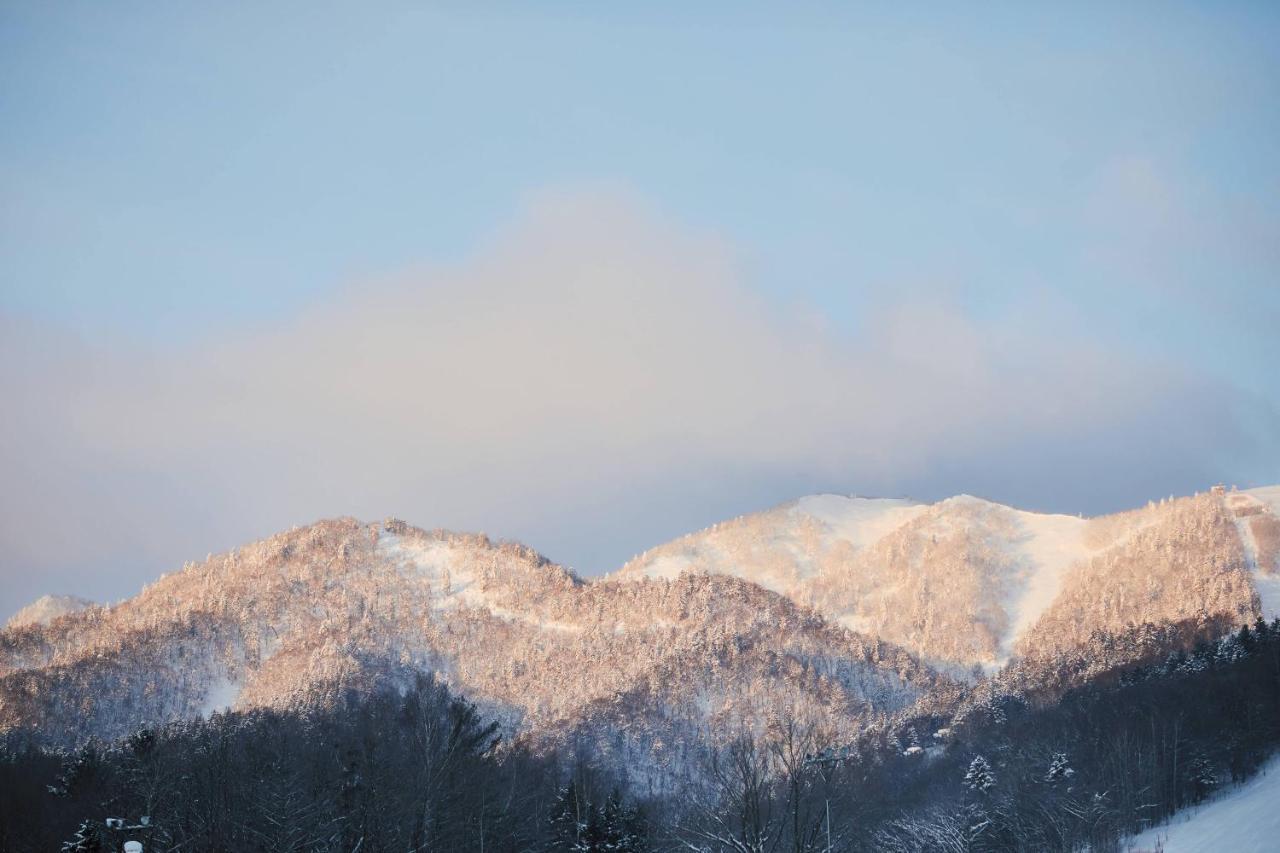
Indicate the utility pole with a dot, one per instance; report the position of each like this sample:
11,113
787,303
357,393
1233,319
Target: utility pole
826,761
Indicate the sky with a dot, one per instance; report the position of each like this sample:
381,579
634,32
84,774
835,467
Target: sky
592,277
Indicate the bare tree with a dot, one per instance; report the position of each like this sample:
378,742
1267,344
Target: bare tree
734,809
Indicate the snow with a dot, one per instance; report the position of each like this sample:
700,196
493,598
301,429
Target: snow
1041,550
451,585
433,561
1268,587
854,622
529,619
667,566
1026,556
220,696
1243,820
1269,495
1050,545
1266,579
46,608
859,521
1045,548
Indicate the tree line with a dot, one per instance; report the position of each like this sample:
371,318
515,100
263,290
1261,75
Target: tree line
422,770
415,771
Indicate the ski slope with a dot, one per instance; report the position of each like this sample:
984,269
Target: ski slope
1241,820
799,549
1266,571
1049,546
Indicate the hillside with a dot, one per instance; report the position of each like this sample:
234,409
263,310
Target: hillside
304,617
46,608
838,611
1242,820
967,583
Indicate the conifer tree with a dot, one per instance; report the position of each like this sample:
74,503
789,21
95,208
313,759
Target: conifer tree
567,818
980,778
89,838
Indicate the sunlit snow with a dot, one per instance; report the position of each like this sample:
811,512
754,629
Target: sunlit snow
1039,550
860,521
1266,579
432,562
452,585
46,608
220,696
1269,495
668,566
1051,544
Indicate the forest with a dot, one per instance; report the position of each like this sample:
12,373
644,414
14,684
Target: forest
422,770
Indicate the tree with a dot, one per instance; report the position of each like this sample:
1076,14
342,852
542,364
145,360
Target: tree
793,744
568,818
79,771
623,827
1059,769
1202,776
980,778
89,838
733,809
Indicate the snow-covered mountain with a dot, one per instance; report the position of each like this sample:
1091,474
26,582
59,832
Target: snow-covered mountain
840,610
966,582
307,615
46,608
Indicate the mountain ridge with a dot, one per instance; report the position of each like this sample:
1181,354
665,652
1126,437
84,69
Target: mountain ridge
843,610
849,558
303,617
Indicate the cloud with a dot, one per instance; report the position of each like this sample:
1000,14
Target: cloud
592,381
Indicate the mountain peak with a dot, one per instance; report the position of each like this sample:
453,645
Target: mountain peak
47,608
966,581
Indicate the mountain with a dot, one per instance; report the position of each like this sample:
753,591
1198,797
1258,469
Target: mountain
966,583
305,616
46,608
837,611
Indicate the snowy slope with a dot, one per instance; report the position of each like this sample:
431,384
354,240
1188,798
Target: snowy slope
1242,820
778,549
312,614
866,562
1050,545
968,582
1269,495
46,608
435,564
1262,557
859,521
961,584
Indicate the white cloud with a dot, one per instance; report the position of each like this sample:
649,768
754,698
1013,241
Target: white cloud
592,381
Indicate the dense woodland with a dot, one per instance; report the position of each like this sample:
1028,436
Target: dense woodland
339,605
940,581
421,770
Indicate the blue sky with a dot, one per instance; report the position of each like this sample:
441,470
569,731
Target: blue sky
1073,199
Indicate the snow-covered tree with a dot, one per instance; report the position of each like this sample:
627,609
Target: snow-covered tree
89,838
1059,769
980,778
622,827
569,818
1202,776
